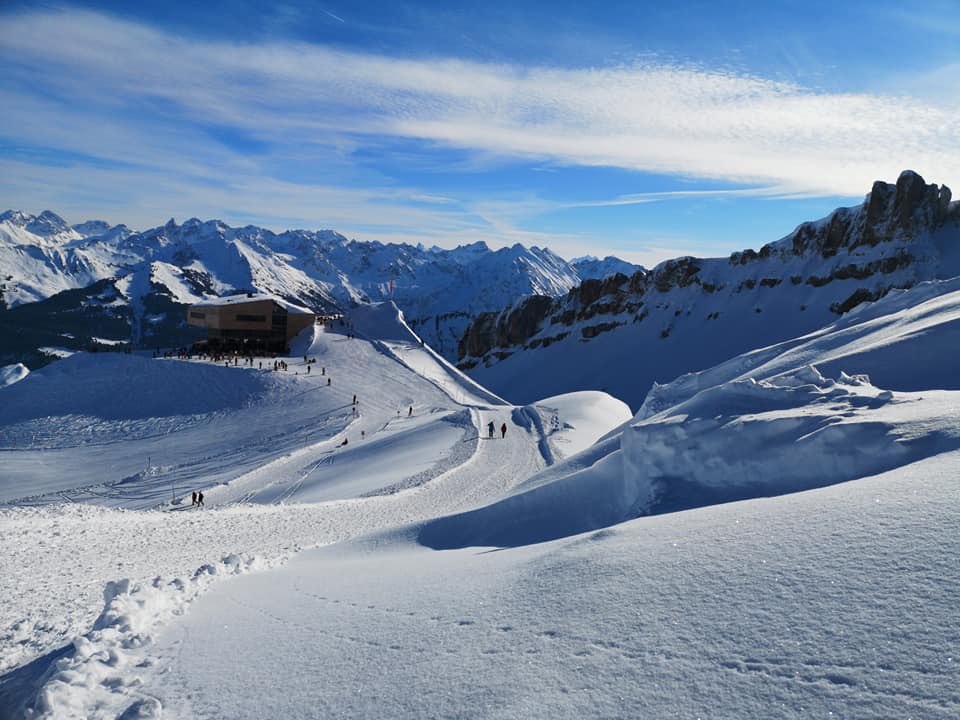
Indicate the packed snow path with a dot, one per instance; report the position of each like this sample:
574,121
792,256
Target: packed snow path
464,472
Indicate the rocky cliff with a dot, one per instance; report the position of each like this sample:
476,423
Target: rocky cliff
689,312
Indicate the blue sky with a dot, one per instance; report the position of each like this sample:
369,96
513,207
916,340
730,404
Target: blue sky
646,130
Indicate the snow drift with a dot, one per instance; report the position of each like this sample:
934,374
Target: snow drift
765,423
9,374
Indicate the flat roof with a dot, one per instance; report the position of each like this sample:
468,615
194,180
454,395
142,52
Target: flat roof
259,297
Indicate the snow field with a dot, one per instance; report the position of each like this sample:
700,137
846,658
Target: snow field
105,662
838,602
764,423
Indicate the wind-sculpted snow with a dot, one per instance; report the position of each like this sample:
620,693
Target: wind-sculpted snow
763,423
905,342
794,432
9,374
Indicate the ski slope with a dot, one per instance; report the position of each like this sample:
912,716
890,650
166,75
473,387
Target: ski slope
61,443
425,569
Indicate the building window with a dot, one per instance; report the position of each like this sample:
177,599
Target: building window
252,318
197,315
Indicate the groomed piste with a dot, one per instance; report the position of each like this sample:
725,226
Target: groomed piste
726,550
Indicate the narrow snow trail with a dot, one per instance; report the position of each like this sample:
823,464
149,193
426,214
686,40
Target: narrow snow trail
408,467
391,402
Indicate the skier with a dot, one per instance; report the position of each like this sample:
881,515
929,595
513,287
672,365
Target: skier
410,411
328,382
354,399
194,498
200,499
490,429
503,431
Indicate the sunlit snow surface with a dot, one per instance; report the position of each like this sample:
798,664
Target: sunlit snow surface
458,575
9,374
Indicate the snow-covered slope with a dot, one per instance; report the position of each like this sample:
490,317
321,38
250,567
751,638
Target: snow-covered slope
156,272
838,601
797,415
623,333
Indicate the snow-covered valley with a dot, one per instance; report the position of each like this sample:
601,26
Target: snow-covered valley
771,537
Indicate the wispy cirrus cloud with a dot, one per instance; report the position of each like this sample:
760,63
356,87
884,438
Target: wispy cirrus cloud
217,121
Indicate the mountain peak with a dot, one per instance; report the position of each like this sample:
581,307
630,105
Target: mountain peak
47,223
17,217
92,228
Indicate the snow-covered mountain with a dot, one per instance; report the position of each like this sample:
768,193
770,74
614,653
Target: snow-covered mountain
625,332
70,282
590,266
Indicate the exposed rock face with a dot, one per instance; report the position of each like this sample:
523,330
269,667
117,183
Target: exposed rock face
894,239
909,207
513,327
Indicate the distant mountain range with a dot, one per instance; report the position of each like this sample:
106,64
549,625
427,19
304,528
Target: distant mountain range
628,331
66,286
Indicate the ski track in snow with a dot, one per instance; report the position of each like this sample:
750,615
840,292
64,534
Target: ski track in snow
66,554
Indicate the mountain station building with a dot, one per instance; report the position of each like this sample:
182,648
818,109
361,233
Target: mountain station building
250,322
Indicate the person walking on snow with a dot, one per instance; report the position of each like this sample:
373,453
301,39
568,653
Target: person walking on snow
200,499
194,497
503,431
410,411
490,429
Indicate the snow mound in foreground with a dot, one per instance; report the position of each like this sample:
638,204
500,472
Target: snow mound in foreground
9,374
575,421
738,440
101,676
767,422
796,431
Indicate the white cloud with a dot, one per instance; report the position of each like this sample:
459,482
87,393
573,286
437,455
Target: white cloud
128,93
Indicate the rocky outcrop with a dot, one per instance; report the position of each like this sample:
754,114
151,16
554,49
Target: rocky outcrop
889,211
511,327
852,256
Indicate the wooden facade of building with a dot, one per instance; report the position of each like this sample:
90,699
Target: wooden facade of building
250,323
